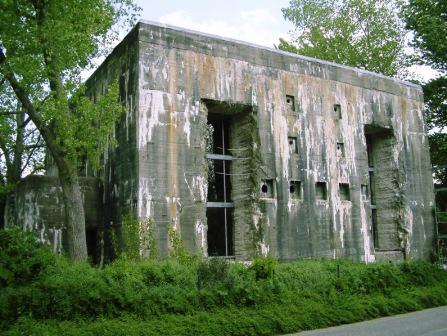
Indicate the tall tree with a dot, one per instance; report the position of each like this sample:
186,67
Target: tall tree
44,46
428,20
368,34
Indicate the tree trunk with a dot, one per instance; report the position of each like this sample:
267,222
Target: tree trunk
74,216
72,198
2,211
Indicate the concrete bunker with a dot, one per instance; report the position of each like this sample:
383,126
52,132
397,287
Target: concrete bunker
285,169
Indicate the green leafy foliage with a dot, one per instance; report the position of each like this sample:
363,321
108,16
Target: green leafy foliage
428,21
149,297
44,47
22,258
47,44
264,267
435,96
177,249
138,238
131,236
365,34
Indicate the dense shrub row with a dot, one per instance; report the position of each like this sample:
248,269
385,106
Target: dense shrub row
40,292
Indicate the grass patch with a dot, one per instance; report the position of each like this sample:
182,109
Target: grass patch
45,294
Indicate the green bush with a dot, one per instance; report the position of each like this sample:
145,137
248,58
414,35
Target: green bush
264,267
22,258
47,294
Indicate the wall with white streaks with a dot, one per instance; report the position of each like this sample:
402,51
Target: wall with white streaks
179,70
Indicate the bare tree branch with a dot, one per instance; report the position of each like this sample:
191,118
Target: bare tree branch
34,146
6,153
10,113
31,155
26,122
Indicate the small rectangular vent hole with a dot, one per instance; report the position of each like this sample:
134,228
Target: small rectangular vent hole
266,189
337,111
295,189
343,189
321,190
290,100
340,150
293,145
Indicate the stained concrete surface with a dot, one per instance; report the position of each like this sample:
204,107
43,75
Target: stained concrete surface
429,322
292,120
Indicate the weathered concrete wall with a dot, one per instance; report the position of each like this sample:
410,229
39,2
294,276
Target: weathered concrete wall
39,207
120,160
307,127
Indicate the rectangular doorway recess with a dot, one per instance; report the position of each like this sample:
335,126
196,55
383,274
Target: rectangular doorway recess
383,190
232,168
219,203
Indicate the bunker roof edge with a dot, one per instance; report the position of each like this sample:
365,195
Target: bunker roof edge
135,33
273,50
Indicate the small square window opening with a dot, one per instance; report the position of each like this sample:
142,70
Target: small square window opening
290,100
321,190
343,189
293,145
340,150
337,111
267,189
295,189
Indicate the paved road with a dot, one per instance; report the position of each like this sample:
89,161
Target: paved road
429,322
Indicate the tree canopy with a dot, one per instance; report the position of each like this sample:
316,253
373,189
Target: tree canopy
44,47
368,34
428,20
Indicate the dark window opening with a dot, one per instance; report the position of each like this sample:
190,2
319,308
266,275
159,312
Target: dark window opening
295,189
374,231
219,204
372,195
293,145
267,189
337,111
290,100
372,199
92,244
369,150
343,189
369,153
220,231
217,136
340,150
219,186
321,190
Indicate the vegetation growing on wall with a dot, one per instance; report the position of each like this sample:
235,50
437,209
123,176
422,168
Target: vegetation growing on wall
256,223
177,249
138,237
